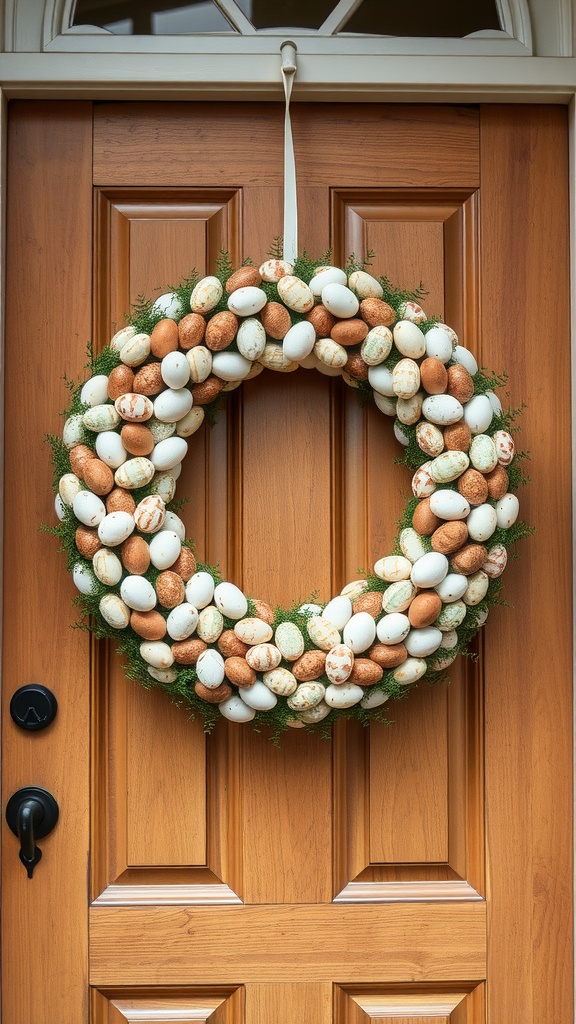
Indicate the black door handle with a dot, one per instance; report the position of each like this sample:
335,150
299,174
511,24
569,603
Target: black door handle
31,813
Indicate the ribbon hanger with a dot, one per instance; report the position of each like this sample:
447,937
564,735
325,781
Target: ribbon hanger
288,55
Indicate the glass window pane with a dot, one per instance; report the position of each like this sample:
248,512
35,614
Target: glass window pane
152,17
423,18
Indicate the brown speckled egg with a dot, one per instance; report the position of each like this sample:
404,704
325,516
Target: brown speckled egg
221,331
370,601
137,439
185,564
120,500
191,330
469,559
425,608
388,655
170,589
349,332
322,321
120,381
164,338
264,611
457,437
460,383
449,537
213,696
148,380
244,277
187,652
498,483
231,645
433,375
356,366
98,476
424,521
135,555
207,390
87,541
78,456
275,320
149,625
473,486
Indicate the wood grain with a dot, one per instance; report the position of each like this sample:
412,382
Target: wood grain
279,944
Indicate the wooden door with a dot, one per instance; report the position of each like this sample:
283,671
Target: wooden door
419,872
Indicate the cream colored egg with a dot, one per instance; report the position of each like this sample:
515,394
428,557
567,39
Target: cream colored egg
296,294
408,410
429,438
411,545
134,408
73,432
258,696
136,350
162,675
340,301
150,513
119,339
289,640
442,409
507,510
331,353
483,454
451,616
164,484
159,430
377,345
107,567
409,339
264,658
374,699
354,589
281,681
134,473
412,311
406,378
210,624
251,339
173,522
206,295
339,663
114,611
477,588
306,696
505,447
95,390
199,360
68,487
393,568
365,286
343,696
315,714
191,422
101,417
254,631
398,596
496,562
449,466
322,633
409,671
88,508
274,358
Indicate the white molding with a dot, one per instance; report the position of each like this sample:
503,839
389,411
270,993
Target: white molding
457,891
166,896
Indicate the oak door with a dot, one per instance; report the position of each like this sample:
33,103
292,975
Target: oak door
419,872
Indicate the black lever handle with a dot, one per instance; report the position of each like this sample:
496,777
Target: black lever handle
31,813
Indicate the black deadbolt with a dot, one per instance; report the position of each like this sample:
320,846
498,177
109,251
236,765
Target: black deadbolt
33,707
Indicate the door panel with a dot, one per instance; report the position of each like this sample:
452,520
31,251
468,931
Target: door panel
340,881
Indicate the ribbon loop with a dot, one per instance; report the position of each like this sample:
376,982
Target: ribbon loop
290,245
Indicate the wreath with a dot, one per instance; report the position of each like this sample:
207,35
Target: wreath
179,625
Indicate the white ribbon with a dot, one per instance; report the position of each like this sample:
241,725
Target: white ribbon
288,51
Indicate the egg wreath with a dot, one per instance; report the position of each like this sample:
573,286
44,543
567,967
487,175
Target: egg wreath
180,627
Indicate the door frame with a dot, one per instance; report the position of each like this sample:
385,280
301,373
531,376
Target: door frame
428,79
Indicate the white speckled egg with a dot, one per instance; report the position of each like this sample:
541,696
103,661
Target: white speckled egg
365,286
359,632
119,339
420,643
107,567
393,628
138,593
409,339
410,670
199,360
449,466
477,588
134,473
114,611
478,414
507,510
84,579
315,714
405,378
296,294
299,340
393,568
59,508
495,403
210,668
164,484
95,390
162,675
422,483
68,487
191,422
115,528
442,409
449,505
264,658
496,562
451,616
251,339
280,681
169,305
110,449
429,438
273,270
169,453
230,366
408,410
160,430
340,301
73,432
377,345
200,589
374,699
306,695
165,548
310,608
482,522
452,587
210,624
338,611
182,621
230,600
381,380
274,358
150,513
258,696
430,570
136,350
398,596
400,434
289,640
483,455
343,696
443,661
439,344
505,447
171,405
465,358
322,633
254,631
339,663
101,417
329,275
411,545
88,508
175,369
235,710
206,295
354,589
173,522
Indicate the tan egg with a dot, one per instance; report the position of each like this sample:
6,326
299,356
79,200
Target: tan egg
148,380
164,338
87,541
215,695
148,625
137,439
191,330
322,633
221,331
170,589
498,483
206,295
263,657
473,486
275,320
187,652
78,457
405,377
185,564
135,555
231,646
98,476
365,672
424,521
430,438
239,672
295,293
281,681
134,407
457,437
424,610
349,332
330,352
120,500
356,366
388,655
309,666
370,601
469,559
244,277
264,611
449,537
273,358
322,321
460,383
207,391
377,313
120,381
434,375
